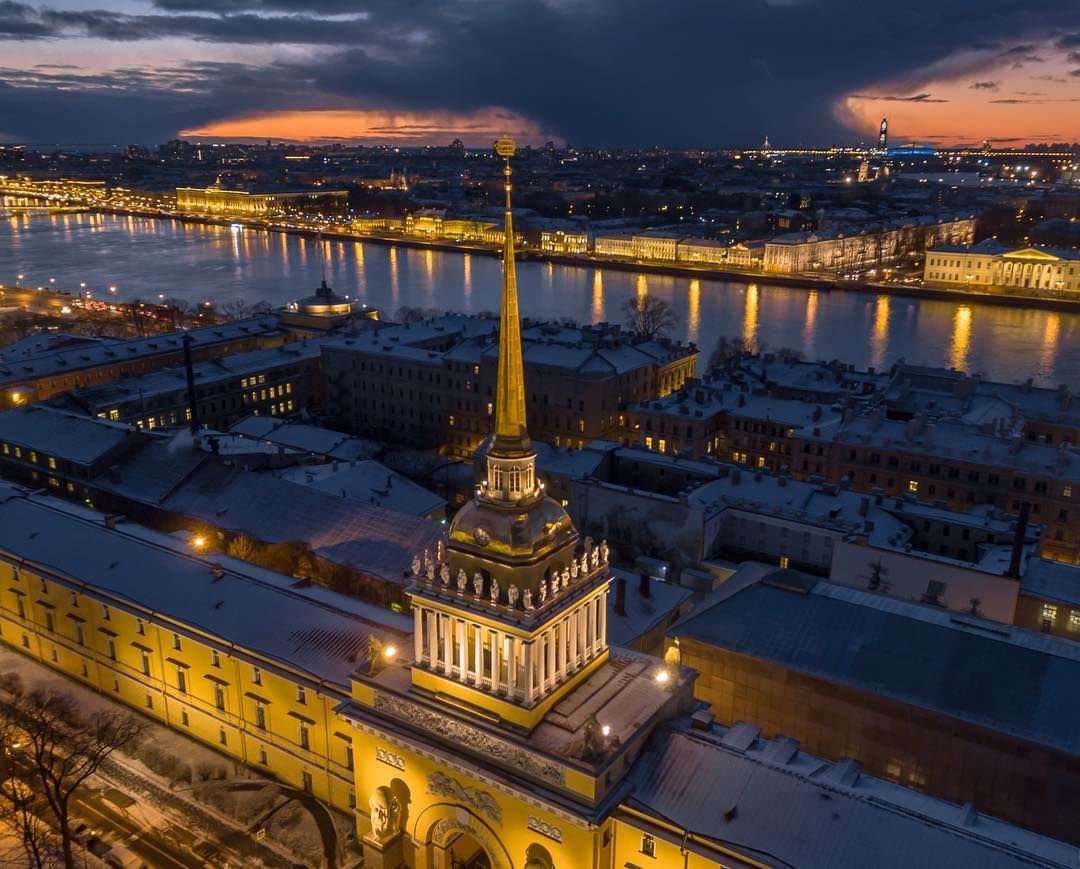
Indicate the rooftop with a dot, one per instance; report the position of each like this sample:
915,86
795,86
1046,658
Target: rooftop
369,483
769,800
70,436
312,629
992,675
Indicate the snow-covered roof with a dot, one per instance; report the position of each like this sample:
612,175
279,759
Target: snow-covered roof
54,432
369,483
311,629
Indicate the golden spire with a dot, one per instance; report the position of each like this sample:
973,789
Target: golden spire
511,436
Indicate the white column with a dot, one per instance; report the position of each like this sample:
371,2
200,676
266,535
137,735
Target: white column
560,650
511,667
530,682
463,652
495,639
574,659
418,635
549,659
448,649
601,634
478,647
432,638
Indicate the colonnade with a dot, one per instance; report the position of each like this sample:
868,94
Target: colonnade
505,663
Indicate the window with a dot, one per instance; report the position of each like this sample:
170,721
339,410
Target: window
783,561
184,718
149,700
256,676
112,649
74,596
352,798
79,638
262,755
181,680
145,663
913,486
1049,615
176,642
648,845
219,697
661,445
260,715
140,627
215,658
305,737
105,613
301,694
49,626
348,755
21,607
1074,621
222,738
1066,492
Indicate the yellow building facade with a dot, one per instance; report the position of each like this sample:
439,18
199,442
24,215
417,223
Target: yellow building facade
989,265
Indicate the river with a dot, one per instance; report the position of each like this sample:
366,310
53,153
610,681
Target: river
144,258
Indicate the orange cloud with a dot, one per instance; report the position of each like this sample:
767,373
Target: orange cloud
378,127
1007,100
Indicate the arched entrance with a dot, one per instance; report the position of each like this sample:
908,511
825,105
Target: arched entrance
452,837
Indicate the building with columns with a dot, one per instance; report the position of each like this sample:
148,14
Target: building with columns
989,266
504,733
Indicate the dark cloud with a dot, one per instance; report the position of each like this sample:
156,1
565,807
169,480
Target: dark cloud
985,85
596,71
892,98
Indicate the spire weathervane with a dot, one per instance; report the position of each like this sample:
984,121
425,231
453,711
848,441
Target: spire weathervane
511,436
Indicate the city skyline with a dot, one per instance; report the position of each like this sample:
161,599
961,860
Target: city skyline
588,73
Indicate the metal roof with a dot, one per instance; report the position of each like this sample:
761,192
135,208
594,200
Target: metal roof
993,675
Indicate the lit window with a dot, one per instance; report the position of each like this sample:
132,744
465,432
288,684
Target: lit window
783,561
52,462
1066,492
913,486
648,443
1049,614
1074,620
661,445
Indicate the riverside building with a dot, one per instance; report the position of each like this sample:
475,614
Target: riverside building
989,265
495,727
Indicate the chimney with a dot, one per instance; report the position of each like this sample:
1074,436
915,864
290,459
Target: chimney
643,585
1018,540
620,596
189,370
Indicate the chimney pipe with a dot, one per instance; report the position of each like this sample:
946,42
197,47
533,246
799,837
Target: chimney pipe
1018,540
643,585
192,403
620,596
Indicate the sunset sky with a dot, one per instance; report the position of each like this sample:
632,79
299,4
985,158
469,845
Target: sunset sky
589,72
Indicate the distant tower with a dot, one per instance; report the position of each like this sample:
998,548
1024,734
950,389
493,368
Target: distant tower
864,171
883,134
765,145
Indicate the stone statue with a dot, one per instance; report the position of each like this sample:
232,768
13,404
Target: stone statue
462,579
416,565
584,563
385,813
528,600
594,739
543,590
573,568
439,552
494,590
512,596
444,574
565,578
431,570
588,544
603,552
478,584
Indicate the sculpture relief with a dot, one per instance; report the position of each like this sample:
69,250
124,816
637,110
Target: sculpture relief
494,590
528,600
444,574
416,565
483,803
385,813
478,583
573,568
512,596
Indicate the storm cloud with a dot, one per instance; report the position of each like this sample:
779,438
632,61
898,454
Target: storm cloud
597,72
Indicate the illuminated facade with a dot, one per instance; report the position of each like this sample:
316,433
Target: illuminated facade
989,265
563,241
242,203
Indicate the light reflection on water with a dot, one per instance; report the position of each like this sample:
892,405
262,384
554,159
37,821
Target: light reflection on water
144,257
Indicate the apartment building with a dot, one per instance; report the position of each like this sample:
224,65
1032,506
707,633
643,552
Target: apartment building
433,384
43,375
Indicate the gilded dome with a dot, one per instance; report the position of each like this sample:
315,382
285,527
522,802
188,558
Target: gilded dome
524,531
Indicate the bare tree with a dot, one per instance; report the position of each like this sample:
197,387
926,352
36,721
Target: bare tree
648,317
726,351
179,311
63,750
38,845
